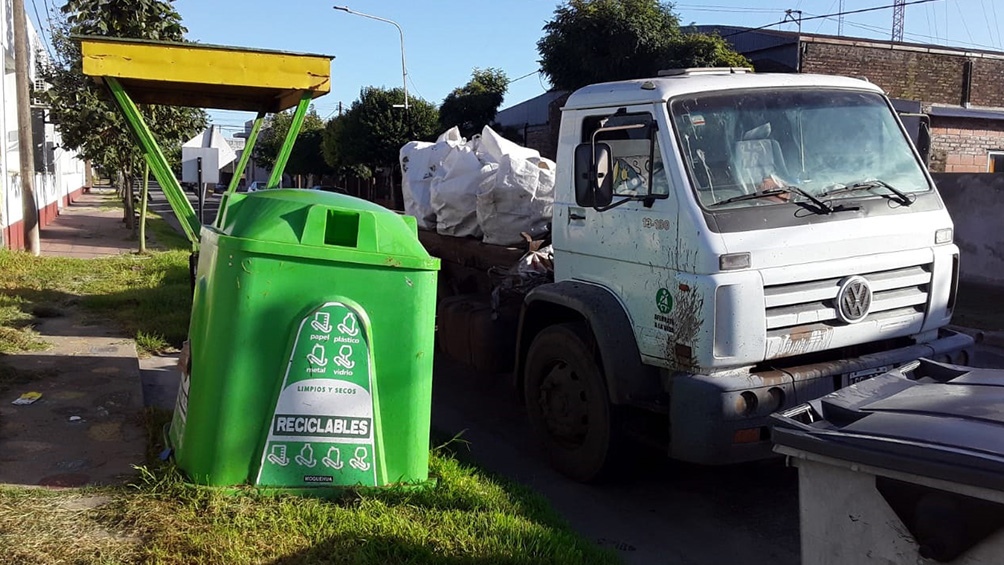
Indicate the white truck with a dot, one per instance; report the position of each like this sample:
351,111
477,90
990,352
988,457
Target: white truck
726,245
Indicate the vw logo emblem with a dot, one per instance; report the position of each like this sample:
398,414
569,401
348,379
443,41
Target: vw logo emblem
854,299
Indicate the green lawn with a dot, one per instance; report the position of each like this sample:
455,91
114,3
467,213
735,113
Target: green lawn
147,296
467,517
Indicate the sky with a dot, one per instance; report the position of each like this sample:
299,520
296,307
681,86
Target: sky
444,40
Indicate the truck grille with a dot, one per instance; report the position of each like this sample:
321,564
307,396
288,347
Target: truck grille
895,292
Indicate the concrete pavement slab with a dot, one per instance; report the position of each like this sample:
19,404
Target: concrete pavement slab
87,427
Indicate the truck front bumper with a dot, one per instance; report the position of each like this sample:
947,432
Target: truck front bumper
723,419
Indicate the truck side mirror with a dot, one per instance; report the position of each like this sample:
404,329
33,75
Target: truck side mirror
593,179
924,140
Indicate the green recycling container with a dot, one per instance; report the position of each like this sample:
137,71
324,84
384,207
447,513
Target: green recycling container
311,345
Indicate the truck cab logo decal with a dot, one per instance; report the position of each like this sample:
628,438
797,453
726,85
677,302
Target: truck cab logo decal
664,300
854,299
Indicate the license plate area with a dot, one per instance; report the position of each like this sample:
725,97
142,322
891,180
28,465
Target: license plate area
862,375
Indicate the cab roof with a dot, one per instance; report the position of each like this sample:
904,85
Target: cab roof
663,88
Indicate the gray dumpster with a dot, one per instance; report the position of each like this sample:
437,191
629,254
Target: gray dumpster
907,467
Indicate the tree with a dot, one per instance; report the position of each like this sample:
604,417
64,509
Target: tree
306,157
591,41
474,105
85,113
369,136
372,131
333,155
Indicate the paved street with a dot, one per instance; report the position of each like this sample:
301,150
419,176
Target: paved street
159,205
663,512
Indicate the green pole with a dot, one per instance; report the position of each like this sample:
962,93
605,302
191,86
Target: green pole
287,145
158,163
142,207
246,155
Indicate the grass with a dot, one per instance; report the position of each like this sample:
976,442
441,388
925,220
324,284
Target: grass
147,296
468,517
16,333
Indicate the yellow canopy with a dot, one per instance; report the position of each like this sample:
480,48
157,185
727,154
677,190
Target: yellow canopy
207,76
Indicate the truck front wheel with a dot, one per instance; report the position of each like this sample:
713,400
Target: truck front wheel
567,402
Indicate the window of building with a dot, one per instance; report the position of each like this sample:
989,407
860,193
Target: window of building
995,163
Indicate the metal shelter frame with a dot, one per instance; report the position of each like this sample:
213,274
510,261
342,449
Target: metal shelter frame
205,76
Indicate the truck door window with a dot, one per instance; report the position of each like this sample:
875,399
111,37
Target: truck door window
637,161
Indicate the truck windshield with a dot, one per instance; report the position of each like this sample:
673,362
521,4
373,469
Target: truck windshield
821,141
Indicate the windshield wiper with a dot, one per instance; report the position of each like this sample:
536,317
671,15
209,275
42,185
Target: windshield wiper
901,196
821,207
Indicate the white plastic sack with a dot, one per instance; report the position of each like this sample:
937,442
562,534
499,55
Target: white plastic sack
454,192
419,162
453,136
494,147
415,180
520,199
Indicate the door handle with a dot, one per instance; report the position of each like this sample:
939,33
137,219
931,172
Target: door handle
576,214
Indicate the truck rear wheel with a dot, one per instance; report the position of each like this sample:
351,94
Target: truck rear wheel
567,403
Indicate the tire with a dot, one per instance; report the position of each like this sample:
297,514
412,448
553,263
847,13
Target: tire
567,403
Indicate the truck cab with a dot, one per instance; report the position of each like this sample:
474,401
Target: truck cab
726,245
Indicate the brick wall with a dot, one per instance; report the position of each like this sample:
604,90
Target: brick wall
963,145
919,74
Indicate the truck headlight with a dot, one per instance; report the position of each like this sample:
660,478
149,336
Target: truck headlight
734,261
943,235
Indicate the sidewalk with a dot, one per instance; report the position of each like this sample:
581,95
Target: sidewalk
88,228
87,428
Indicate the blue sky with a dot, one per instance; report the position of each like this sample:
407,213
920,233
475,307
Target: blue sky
446,39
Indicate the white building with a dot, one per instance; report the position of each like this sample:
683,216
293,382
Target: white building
59,174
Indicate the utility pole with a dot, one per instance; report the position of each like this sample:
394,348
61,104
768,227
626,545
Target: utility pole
840,19
794,16
24,137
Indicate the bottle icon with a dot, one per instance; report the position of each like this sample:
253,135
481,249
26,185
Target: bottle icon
306,456
349,326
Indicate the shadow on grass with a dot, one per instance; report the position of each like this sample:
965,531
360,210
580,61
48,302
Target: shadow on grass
523,548
160,312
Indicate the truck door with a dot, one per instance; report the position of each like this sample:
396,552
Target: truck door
630,246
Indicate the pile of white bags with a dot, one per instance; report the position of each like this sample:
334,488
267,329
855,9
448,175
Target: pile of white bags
488,186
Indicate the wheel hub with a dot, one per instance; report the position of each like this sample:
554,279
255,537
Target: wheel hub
564,404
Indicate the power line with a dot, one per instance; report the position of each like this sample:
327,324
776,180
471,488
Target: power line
993,8
820,26
52,27
919,36
927,13
41,30
962,17
824,16
986,18
531,73
724,9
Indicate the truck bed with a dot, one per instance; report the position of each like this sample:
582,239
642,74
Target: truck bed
466,262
